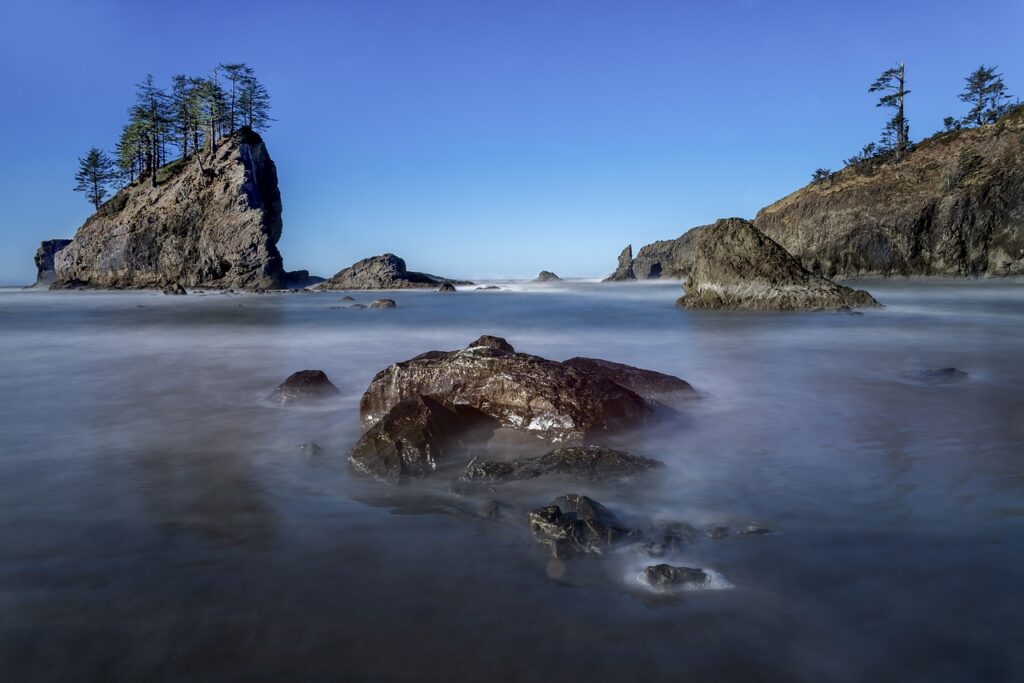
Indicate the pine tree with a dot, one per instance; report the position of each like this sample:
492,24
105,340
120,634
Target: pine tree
213,108
896,133
236,74
986,93
131,151
153,116
95,173
187,114
255,103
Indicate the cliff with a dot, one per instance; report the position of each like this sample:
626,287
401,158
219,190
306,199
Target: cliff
45,254
953,206
212,221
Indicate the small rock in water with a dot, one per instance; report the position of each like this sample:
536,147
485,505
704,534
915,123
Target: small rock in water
937,375
311,448
574,524
356,307
384,303
596,463
348,298
666,578
446,287
175,289
305,386
718,533
489,287
754,530
547,276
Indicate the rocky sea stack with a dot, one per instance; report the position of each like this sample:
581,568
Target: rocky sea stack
739,267
46,273
212,221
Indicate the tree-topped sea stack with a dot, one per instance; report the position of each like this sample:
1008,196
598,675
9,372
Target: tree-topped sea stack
212,221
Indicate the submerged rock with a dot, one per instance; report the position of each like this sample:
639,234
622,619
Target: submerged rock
574,524
213,221
305,386
739,267
667,578
547,398
386,271
587,462
384,303
416,436
547,276
446,287
653,386
46,273
666,538
936,376
624,270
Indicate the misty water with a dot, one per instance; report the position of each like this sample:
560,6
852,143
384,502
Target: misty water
160,520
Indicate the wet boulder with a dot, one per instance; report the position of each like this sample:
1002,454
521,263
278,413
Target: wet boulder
416,437
595,463
305,386
552,400
667,578
574,524
384,303
446,287
656,387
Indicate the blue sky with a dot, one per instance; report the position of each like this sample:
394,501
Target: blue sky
490,139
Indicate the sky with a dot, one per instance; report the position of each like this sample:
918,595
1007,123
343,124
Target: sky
491,139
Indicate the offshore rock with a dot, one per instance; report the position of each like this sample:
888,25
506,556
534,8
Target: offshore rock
547,276
213,222
574,524
386,271
305,386
416,436
739,267
46,273
552,400
624,270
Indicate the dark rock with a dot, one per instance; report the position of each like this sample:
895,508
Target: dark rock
416,436
666,538
386,271
213,222
754,530
738,267
547,276
300,279
936,376
547,398
311,448
588,462
718,533
383,303
175,289
46,273
305,386
668,258
446,287
348,298
666,578
624,270
356,306
652,386
489,287
575,524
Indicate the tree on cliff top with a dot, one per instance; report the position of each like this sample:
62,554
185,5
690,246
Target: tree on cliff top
96,171
986,93
896,133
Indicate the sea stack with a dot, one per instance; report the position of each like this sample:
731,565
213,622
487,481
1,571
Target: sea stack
386,271
46,274
213,220
739,267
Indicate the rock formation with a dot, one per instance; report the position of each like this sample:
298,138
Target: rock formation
213,221
549,399
305,386
415,437
574,524
447,287
739,267
952,206
46,274
547,276
386,271
586,462
384,303
624,270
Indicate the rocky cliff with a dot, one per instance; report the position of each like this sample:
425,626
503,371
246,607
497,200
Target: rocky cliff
212,221
953,206
45,273
738,267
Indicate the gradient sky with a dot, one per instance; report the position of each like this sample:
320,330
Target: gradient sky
491,139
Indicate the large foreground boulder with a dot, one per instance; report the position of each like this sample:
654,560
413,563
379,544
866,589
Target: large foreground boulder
386,271
213,220
46,273
416,436
739,267
655,387
550,399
